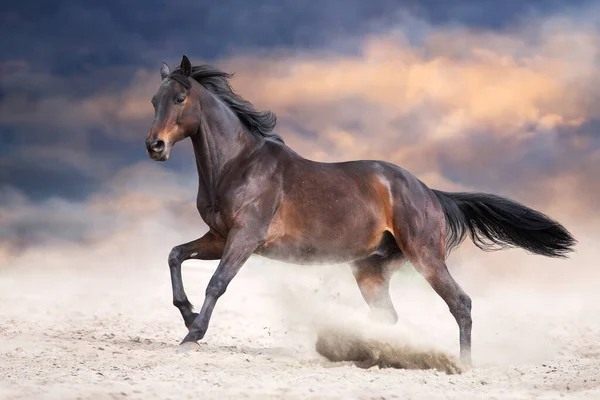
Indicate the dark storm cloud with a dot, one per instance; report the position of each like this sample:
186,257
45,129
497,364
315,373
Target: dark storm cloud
489,14
73,37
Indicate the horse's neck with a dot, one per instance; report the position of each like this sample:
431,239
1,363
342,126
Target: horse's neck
206,177
214,150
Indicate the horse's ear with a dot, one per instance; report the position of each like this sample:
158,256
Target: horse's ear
164,71
186,66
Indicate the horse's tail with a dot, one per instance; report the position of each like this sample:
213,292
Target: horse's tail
495,223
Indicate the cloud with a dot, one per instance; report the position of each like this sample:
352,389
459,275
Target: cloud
472,89
137,196
87,36
511,112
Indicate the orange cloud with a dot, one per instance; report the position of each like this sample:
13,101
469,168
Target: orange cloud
494,86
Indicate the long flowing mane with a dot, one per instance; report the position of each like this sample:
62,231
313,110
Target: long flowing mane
259,123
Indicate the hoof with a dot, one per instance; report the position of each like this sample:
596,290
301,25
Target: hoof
187,347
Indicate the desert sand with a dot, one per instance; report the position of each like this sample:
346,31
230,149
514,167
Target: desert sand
95,321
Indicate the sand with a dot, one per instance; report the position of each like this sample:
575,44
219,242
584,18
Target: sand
95,321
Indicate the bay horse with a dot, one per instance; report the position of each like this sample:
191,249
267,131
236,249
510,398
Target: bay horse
258,196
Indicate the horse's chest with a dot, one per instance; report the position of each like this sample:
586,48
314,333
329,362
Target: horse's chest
213,217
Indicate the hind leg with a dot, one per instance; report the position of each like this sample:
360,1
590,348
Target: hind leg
373,275
436,273
426,251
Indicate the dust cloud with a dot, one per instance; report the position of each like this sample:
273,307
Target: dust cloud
366,352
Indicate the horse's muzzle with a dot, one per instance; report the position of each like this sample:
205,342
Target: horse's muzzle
157,150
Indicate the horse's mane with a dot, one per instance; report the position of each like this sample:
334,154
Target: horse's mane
216,81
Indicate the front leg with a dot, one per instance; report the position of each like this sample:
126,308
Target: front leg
241,243
208,247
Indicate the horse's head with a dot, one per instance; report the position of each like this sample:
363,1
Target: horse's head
176,111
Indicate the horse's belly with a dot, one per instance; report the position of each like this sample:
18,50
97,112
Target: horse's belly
310,254
347,229
339,247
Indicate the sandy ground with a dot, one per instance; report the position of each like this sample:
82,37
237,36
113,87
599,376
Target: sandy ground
96,322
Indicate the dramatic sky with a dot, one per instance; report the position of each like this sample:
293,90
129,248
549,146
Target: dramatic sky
494,96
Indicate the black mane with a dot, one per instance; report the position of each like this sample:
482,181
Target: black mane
216,81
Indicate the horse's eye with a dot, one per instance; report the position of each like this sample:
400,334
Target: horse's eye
180,99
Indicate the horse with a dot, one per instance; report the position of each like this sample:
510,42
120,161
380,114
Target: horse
258,196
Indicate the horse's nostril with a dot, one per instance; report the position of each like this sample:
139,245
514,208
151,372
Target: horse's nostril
157,146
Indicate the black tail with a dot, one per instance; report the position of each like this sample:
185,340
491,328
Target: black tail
495,223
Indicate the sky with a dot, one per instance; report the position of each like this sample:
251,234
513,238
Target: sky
488,96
